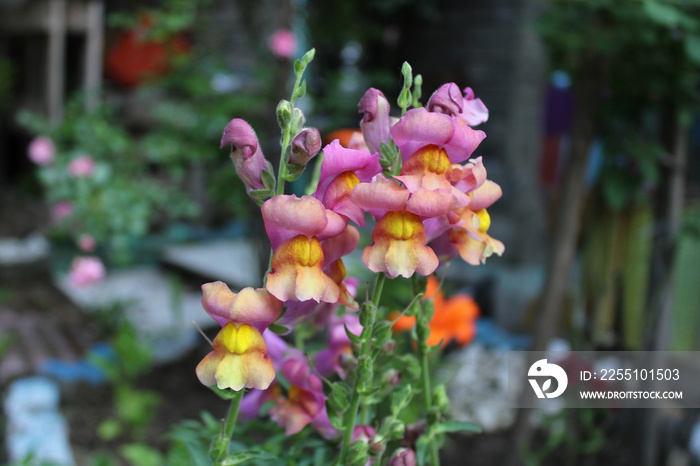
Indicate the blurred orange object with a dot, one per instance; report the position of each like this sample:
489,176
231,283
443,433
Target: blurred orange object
350,138
454,317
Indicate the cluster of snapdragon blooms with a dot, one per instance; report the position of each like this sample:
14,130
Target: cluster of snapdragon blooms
414,176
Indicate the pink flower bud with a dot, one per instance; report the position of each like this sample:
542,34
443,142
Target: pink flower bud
87,243
61,210
86,270
305,146
41,150
375,123
403,457
283,43
246,154
362,433
81,167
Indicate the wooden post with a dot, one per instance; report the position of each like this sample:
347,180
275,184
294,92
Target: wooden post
55,79
92,66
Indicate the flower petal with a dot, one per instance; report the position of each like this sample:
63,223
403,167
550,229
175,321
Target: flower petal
251,306
380,196
296,272
399,247
286,216
337,159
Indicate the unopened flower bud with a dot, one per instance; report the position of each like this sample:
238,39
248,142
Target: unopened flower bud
362,433
298,120
248,159
441,400
364,371
285,109
376,445
358,454
397,429
219,446
403,457
375,122
305,146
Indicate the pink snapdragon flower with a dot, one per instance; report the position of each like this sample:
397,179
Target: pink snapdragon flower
305,146
41,150
419,128
283,43
82,166
329,360
86,270
296,226
342,170
246,154
305,403
403,457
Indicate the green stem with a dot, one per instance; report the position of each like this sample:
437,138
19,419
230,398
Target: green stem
230,422
366,336
378,288
423,332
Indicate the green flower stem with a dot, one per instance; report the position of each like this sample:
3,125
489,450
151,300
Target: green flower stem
363,360
230,423
282,168
423,332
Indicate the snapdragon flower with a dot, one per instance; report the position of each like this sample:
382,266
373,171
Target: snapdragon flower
305,402
239,359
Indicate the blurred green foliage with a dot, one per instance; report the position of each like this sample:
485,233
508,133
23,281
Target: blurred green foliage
649,52
127,194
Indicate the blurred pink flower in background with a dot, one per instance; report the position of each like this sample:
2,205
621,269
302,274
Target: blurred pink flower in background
86,270
41,150
283,43
87,243
61,210
82,166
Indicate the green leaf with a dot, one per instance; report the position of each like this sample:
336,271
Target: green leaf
278,329
261,194
354,339
382,333
455,426
665,14
340,397
422,448
109,429
692,47
308,57
400,399
268,178
245,456
139,454
301,90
